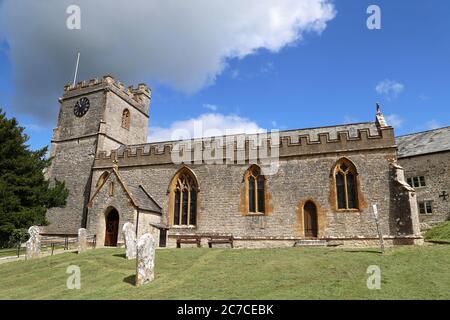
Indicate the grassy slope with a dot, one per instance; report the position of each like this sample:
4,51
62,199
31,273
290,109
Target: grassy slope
439,232
11,252
291,273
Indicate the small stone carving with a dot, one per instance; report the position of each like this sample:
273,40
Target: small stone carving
129,235
82,240
34,243
145,259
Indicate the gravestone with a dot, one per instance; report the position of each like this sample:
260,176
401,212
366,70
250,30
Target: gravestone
129,236
82,240
145,259
33,243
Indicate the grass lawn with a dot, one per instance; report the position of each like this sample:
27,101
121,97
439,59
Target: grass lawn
439,232
11,252
420,272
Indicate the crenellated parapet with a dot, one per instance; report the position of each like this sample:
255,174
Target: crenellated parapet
254,147
139,96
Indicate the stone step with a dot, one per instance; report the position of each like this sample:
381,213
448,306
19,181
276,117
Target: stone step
310,243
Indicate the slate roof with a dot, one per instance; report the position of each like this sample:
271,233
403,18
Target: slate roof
431,141
143,199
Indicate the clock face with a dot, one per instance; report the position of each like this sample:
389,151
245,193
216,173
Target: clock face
81,107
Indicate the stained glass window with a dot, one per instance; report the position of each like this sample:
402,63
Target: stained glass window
346,185
256,190
185,199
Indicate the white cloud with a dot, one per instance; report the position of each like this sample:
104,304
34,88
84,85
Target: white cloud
184,44
206,125
234,74
433,124
350,119
394,120
389,88
211,107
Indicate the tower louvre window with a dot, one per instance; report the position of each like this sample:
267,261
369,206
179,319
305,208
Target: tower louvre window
126,119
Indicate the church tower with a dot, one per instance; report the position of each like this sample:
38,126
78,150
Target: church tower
94,116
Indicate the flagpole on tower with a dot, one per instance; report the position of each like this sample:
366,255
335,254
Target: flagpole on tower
76,70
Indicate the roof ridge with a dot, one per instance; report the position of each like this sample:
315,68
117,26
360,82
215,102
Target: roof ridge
256,133
425,131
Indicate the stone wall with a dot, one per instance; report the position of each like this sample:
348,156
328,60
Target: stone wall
72,164
436,170
137,133
102,203
147,220
298,179
76,141
306,159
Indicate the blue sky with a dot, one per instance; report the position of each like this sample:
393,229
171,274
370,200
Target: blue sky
324,79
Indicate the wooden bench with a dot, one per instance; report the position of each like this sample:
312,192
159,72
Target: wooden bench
188,240
220,240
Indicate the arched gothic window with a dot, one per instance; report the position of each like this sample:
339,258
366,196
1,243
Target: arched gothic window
346,185
184,191
126,119
255,183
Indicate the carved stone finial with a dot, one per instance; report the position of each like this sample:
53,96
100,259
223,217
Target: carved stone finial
115,165
379,118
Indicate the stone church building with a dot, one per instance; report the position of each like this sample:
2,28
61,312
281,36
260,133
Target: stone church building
320,183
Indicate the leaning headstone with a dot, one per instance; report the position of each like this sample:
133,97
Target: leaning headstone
33,243
82,240
145,259
129,236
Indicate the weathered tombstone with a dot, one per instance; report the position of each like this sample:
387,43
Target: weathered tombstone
82,240
145,259
129,236
34,243
380,234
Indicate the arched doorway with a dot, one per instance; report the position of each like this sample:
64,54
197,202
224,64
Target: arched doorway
310,219
112,228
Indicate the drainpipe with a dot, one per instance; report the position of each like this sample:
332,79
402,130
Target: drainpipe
137,223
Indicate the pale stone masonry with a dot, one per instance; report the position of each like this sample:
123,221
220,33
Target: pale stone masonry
115,177
82,240
145,264
34,243
426,156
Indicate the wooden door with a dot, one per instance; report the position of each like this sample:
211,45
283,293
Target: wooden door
162,237
112,228
310,220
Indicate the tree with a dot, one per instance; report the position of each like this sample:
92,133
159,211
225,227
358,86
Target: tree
25,194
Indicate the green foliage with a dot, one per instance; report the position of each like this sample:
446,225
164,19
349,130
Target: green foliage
439,232
25,195
18,236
